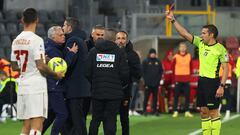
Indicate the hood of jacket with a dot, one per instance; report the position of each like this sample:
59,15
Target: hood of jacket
78,33
105,45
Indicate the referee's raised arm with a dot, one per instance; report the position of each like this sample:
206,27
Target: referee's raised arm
180,29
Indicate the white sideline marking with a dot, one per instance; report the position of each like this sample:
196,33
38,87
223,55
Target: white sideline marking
196,132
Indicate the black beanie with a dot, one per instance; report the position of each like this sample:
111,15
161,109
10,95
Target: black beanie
152,51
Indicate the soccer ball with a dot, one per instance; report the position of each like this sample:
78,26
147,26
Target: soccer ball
58,64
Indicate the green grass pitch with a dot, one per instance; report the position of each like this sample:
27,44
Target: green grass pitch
151,125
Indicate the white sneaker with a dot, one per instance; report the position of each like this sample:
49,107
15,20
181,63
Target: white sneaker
175,114
3,120
227,115
14,119
188,114
130,113
135,113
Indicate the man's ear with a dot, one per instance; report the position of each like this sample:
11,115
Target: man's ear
212,35
70,29
92,34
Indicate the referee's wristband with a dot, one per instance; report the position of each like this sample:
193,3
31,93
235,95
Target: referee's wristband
222,85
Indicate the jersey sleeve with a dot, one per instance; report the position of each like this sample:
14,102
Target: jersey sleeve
224,56
13,56
39,50
196,40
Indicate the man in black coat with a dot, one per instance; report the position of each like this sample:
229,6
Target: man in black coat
135,73
152,73
97,33
77,87
107,70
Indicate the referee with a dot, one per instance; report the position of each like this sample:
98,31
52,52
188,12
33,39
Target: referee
210,88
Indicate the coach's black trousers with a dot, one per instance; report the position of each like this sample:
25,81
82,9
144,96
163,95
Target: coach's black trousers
76,123
104,111
57,113
148,91
182,86
124,116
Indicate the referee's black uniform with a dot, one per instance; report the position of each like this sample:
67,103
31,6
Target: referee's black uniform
108,72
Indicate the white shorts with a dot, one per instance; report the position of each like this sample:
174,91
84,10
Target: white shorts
32,105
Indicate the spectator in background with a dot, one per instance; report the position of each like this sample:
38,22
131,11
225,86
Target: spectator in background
8,92
107,71
135,74
152,73
182,72
77,87
6,67
226,100
97,33
167,79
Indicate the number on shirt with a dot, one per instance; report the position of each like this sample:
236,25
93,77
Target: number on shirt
23,53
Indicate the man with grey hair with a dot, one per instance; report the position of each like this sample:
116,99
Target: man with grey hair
57,110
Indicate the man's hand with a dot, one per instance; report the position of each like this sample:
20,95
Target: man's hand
169,15
220,92
47,58
74,48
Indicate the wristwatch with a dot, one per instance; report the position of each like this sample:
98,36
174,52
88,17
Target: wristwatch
222,85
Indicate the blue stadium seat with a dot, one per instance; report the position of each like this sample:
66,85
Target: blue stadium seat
11,16
12,28
57,16
1,17
5,41
2,53
3,29
40,29
43,16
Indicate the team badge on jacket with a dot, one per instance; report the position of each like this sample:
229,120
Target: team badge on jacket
105,57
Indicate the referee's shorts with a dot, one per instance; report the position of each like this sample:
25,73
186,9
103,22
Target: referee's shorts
206,93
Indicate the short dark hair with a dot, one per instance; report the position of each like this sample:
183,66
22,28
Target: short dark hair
212,29
29,16
98,26
110,34
122,31
73,22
